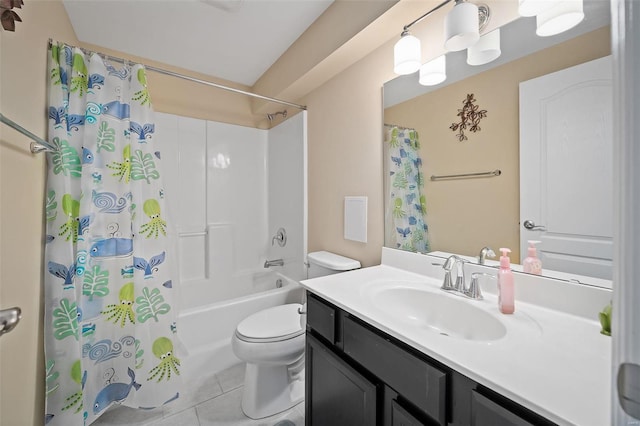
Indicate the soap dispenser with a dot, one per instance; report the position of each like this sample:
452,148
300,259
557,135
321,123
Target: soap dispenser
505,284
532,264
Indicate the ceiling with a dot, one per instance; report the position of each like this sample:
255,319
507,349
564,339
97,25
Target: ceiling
237,40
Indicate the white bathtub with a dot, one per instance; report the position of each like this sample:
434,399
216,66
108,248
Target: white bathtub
206,331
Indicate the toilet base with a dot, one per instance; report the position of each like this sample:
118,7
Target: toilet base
271,389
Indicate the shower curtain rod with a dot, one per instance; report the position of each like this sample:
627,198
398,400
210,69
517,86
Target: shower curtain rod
195,80
399,127
38,144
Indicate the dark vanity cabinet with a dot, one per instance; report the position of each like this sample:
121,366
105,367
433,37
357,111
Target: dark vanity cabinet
356,375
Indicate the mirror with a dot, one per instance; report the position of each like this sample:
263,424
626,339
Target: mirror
465,214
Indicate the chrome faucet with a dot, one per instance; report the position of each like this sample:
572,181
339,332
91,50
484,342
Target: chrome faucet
276,262
484,253
460,286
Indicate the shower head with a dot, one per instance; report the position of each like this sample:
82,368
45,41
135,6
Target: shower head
275,114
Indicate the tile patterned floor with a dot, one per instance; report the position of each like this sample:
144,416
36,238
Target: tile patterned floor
214,402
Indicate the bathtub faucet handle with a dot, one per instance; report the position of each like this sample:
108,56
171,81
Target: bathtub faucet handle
280,237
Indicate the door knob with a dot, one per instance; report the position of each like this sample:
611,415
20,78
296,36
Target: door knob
9,318
531,226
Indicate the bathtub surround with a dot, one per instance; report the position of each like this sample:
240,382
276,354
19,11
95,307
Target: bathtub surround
231,188
109,314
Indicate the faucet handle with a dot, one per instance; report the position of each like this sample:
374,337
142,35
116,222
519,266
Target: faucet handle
447,285
474,292
461,284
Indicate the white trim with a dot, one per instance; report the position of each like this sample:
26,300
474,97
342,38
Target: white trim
625,37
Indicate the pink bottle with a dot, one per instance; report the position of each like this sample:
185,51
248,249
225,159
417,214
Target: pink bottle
505,284
532,264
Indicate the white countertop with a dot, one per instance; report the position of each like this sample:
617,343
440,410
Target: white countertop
554,363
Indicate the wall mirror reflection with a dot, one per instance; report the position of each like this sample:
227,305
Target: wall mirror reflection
544,142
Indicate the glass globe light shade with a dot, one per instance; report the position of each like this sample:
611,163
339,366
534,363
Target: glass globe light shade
564,15
406,55
433,72
461,26
533,7
487,49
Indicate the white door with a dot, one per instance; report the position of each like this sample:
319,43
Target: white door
566,180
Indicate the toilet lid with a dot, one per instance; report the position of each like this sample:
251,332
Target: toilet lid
277,323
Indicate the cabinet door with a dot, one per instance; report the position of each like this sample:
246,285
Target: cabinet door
401,417
485,412
336,394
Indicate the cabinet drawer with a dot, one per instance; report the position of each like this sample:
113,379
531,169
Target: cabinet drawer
485,412
418,382
321,317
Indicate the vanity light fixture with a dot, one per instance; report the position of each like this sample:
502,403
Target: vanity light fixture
487,49
433,72
562,16
466,21
462,28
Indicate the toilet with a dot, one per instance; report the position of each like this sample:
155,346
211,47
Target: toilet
272,341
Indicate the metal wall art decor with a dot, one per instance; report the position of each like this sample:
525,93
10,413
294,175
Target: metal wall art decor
470,116
7,16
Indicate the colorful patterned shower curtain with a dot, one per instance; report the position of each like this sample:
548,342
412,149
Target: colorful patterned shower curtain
406,207
110,330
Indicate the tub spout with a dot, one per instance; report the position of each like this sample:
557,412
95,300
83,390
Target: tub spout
276,262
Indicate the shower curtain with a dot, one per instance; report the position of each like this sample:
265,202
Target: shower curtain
406,204
110,330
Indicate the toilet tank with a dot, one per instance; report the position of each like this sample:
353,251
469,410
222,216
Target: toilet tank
323,263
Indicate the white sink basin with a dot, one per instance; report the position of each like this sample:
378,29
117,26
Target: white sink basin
438,312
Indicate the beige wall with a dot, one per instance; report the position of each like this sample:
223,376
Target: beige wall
465,215
345,155
23,99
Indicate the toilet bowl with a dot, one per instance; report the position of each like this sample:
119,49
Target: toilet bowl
271,342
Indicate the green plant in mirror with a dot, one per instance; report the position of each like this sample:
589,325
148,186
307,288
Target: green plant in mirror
605,320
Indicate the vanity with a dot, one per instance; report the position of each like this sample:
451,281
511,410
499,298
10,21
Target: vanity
385,346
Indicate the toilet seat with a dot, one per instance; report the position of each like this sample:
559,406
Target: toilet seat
271,325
